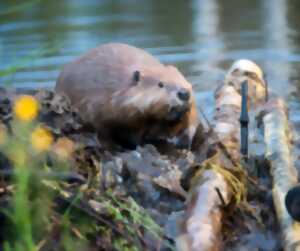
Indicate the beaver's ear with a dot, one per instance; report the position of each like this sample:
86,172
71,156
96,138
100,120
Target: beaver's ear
136,76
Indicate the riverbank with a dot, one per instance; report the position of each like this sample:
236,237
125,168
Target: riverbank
135,199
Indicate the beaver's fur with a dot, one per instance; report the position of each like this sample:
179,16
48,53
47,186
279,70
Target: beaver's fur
128,95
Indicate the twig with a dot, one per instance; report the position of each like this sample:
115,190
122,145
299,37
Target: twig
62,176
220,196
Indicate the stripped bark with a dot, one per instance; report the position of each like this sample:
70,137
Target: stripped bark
284,175
202,227
203,223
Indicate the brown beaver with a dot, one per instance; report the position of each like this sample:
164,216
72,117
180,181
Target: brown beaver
129,96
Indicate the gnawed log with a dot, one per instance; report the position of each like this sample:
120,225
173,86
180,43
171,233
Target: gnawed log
213,187
219,178
204,222
284,175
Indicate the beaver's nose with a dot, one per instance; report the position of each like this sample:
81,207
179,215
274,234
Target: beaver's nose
184,95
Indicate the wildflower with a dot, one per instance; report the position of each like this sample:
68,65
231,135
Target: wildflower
41,139
63,148
26,108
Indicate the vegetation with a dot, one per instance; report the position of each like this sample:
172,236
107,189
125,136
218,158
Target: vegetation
19,7
25,61
46,213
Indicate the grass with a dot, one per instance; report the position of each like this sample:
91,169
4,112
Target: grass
12,69
25,61
26,204
19,7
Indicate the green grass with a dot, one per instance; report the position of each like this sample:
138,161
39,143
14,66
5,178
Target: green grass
28,210
18,7
26,61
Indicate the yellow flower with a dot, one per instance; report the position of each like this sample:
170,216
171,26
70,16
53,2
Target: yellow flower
26,108
64,148
41,139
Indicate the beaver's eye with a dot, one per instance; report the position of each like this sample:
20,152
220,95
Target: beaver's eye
161,84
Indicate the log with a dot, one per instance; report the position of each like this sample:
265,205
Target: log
203,223
201,229
284,175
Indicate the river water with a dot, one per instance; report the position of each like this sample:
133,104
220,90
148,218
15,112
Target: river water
201,37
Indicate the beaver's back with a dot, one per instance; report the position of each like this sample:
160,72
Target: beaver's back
109,66
93,78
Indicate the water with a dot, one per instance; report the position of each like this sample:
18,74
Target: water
200,37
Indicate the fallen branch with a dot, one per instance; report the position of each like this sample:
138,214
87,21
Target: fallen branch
284,174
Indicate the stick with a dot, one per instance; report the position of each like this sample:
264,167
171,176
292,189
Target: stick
284,174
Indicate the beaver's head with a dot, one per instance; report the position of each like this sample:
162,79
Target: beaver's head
159,93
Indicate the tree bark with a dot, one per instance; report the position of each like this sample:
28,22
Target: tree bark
284,174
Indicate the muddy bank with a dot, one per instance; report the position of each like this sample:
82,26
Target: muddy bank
159,180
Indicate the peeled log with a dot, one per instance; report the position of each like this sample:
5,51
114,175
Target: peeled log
284,174
203,226
201,230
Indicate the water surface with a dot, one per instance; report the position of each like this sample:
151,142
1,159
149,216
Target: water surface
201,37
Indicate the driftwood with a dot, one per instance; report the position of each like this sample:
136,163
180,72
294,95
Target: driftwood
202,226
284,175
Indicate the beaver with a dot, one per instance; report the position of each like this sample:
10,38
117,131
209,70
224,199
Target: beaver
129,96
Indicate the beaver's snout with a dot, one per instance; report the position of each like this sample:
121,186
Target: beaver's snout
176,113
183,94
